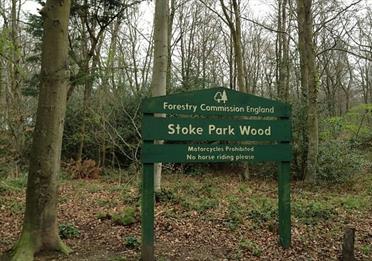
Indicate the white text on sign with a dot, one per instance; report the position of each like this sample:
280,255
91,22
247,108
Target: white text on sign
244,130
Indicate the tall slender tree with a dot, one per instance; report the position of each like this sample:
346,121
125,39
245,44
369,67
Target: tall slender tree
40,228
309,82
159,71
232,19
13,97
283,51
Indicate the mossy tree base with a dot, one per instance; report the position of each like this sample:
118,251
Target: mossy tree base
27,247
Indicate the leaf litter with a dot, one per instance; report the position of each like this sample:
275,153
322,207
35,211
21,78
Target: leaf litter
206,217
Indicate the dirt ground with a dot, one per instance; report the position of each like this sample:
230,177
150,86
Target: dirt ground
201,217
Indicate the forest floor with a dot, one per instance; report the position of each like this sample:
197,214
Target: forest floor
199,217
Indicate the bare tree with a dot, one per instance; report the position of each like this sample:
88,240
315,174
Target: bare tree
283,50
309,82
12,52
40,228
233,20
159,71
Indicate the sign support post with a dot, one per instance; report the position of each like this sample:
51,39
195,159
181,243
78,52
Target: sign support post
284,199
284,204
148,201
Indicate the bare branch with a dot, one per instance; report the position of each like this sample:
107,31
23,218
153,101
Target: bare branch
214,11
268,28
336,15
334,48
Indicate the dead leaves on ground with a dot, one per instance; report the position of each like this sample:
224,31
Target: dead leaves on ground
201,218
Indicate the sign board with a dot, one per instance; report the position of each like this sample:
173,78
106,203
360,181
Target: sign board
214,125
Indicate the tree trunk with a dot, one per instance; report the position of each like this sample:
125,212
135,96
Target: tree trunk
40,228
237,34
13,96
170,32
235,29
159,73
88,87
309,83
283,52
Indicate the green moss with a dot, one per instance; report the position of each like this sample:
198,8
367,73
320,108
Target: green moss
25,248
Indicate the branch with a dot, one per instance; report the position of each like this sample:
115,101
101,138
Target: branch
355,41
214,11
228,19
346,51
336,15
124,7
2,13
268,28
264,26
72,52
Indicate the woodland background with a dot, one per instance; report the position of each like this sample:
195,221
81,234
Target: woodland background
111,63
315,55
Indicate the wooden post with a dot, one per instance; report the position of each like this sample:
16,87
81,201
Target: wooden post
147,247
284,204
348,244
284,200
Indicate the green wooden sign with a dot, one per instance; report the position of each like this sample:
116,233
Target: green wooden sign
214,125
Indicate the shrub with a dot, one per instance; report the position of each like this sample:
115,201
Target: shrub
68,231
111,119
17,207
313,213
13,184
331,128
103,216
87,169
337,162
165,196
366,249
355,202
125,218
251,246
235,212
131,242
200,205
263,210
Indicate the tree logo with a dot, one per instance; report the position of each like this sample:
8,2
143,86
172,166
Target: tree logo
220,97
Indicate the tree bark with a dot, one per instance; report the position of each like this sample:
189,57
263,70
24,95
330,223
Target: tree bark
234,24
309,83
235,29
88,87
13,96
283,52
159,72
40,228
170,33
